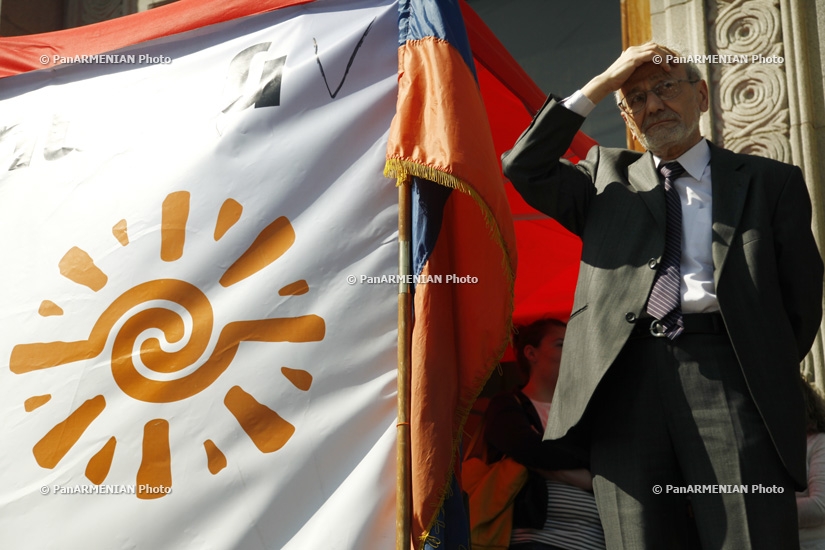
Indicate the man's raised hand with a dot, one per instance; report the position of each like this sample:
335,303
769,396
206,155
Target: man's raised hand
617,74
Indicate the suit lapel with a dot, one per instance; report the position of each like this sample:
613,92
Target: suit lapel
730,187
644,178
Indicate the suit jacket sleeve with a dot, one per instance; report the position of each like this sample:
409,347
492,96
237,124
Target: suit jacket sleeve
798,261
555,187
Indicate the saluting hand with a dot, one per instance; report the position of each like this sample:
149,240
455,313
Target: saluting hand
617,74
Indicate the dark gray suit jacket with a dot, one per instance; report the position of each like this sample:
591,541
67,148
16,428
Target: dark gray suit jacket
767,269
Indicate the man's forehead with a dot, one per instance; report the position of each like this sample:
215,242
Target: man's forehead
646,76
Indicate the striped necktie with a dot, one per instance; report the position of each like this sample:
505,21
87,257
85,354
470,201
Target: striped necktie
665,301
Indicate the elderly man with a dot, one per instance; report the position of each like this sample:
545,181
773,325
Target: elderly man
699,292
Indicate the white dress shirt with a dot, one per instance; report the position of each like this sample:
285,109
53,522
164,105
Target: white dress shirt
695,191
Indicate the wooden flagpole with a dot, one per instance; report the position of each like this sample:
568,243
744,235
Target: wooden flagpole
403,499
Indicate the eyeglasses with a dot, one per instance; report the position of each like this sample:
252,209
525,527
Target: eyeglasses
664,90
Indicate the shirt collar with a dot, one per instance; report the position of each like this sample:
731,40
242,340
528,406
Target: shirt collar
694,160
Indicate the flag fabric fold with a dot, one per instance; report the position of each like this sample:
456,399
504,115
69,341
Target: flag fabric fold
440,143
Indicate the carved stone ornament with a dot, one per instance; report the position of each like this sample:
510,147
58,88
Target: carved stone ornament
752,97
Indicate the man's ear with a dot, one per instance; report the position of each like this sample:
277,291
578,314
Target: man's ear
703,96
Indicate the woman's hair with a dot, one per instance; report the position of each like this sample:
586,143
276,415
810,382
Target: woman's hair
814,407
531,335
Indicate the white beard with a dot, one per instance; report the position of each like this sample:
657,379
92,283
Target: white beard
664,137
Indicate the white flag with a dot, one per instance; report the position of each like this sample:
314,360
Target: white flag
193,355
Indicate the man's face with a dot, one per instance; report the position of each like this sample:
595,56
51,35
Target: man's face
667,128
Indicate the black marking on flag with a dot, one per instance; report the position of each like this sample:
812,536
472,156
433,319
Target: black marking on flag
349,64
272,73
268,91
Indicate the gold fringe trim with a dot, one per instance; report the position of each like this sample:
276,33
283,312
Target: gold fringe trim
403,171
430,539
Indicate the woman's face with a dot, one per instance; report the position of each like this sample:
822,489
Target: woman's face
546,357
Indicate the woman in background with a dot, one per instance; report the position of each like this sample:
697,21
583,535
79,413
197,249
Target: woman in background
556,509
810,503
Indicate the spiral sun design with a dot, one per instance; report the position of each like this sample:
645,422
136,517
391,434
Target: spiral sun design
147,372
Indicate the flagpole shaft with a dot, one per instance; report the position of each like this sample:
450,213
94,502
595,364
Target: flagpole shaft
403,500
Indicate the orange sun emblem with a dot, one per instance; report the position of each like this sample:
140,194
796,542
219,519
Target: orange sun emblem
175,375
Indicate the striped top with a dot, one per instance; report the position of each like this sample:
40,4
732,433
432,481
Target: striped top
572,520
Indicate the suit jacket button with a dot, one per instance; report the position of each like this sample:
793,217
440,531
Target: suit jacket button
630,317
653,263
